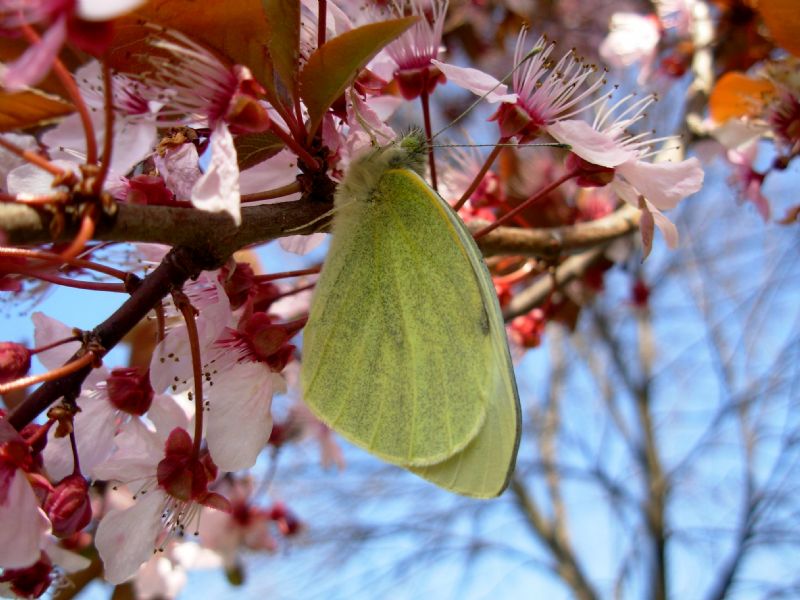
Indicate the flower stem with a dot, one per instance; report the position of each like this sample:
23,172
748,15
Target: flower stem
94,286
189,312
76,365
85,233
286,274
74,338
301,152
32,158
278,192
426,116
58,259
108,141
479,177
321,21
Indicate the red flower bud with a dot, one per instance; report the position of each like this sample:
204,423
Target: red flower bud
68,506
130,391
287,521
15,361
527,330
30,582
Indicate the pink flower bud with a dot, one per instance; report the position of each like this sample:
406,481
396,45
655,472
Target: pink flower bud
15,361
130,391
68,506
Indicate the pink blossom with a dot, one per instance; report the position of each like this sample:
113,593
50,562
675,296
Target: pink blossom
134,132
96,422
415,50
607,147
241,375
198,88
747,180
544,94
83,21
172,485
246,527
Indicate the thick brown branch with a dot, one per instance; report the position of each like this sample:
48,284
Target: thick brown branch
555,241
217,234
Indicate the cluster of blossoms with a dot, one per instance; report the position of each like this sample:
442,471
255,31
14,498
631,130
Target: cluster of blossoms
154,451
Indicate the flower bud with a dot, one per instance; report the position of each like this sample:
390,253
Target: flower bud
15,361
68,506
130,391
287,521
32,581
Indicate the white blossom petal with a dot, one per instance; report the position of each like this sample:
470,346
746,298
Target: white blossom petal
179,169
95,426
218,189
48,330
274,172
126,538
160,577
32,180
105,10
240,416
591,145
30,68
23,524
667,227
632,38
664,184
138,451
476,81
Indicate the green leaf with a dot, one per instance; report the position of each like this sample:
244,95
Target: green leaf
335,65
20,110
283,39
253,148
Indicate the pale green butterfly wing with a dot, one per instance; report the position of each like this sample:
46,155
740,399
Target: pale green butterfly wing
484,467
397,348
405,351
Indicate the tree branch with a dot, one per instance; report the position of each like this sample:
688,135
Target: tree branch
216,233
567,566
179,265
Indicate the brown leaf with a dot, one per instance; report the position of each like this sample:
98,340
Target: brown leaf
237,31
20,110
